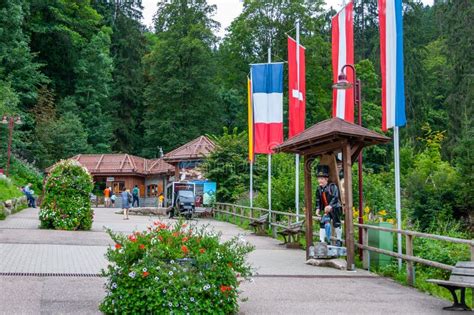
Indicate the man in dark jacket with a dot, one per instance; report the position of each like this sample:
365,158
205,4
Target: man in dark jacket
327,199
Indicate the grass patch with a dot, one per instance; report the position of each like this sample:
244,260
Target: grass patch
8,190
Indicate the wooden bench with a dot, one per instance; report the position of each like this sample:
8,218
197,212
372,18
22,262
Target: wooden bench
461,278
259,224
291,234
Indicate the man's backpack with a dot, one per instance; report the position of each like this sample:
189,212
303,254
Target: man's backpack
135,192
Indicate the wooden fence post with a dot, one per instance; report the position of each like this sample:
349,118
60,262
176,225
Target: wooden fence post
234,211
274,228
410,268
472,290
365,252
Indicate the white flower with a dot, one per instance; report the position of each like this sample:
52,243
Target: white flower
157,279
114,285
164,290
174,268
132,274
185,308
170,273
170,304
172,262
206,287
191,299
145,270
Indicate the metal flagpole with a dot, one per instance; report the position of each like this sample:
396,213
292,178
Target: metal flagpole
396,145
251,184
251,144
297,158
270,159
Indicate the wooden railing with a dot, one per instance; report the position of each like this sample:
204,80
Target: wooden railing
408,256
239,214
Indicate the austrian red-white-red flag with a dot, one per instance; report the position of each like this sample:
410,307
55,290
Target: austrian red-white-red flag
297,88
342,54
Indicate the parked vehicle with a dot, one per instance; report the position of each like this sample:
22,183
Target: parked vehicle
185,203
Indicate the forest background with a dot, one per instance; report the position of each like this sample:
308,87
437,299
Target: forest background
87,77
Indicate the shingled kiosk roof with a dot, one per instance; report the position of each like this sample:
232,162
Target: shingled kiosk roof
121,164
196,149
329,135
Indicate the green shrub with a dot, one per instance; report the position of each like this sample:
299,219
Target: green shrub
174,269
66,204
8,190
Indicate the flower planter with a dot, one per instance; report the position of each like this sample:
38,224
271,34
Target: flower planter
382,240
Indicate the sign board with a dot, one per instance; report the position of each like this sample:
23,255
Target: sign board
110,179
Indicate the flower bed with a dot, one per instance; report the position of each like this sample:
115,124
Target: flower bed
66,204
174,269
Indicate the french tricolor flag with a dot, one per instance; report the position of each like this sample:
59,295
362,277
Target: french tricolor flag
267,97
342,54
391,62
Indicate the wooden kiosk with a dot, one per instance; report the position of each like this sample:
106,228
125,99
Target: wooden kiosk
331,136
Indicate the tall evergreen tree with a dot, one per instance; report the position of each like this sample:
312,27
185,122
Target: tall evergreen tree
128,46
180,96
59,30
93,84
17,64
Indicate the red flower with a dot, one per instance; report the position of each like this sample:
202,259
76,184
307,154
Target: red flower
132,238
225,288
184,225
160,237
142,246
185,239
202,250
175,234
184,249
145,273
118,246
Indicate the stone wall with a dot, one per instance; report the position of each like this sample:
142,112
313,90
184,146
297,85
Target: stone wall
13,205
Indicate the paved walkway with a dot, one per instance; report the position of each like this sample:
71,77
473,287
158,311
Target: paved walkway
283,284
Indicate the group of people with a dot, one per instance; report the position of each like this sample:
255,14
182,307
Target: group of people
30,195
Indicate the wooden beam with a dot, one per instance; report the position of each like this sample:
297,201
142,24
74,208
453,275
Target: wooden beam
325,149
100,161
348,224
356,149
308,201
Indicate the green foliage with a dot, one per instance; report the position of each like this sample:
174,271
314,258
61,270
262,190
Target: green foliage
174,269
180,93
66,203
8,190
94,72
228,165
431,186
283,183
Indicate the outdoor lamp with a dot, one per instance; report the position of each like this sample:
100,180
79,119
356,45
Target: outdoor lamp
4,120
342,83
18,120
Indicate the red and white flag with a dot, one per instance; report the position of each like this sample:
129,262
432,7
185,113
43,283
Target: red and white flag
297,88
342,54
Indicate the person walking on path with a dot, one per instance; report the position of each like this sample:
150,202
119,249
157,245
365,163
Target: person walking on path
107,197
112,199
136,196
29,193
126,200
